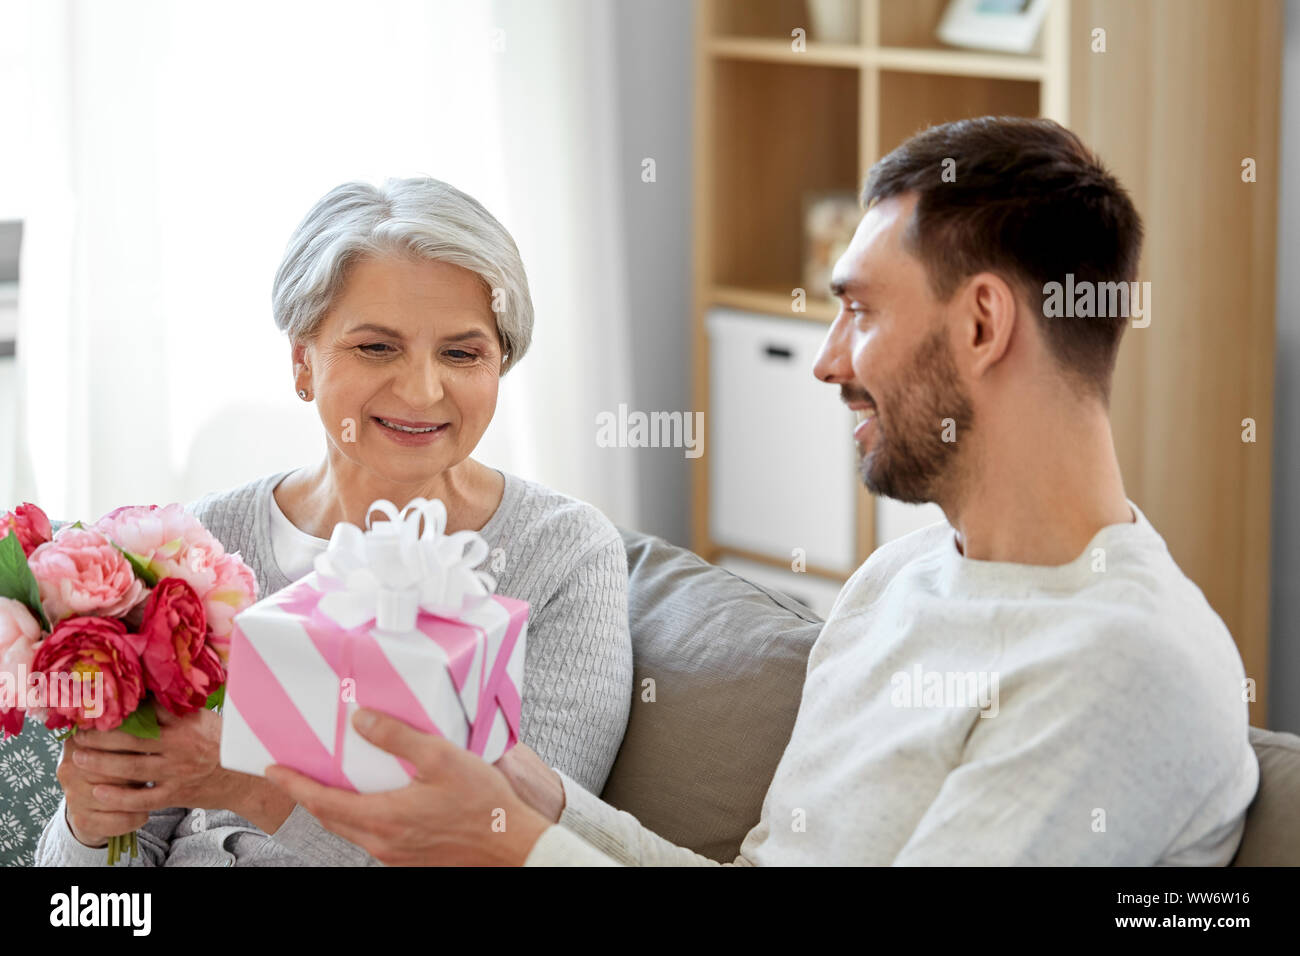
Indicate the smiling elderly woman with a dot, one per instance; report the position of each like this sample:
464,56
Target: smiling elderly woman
404,306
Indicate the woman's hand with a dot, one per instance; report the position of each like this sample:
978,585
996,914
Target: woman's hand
183,765
536,783
91,819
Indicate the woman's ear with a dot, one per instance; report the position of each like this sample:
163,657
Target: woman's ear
301,370
298,354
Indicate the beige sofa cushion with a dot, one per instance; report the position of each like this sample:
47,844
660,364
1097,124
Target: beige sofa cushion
1272,836
727,660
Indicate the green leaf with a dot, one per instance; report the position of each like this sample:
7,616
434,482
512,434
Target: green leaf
143,723
65,733
216,698
17,580
141,571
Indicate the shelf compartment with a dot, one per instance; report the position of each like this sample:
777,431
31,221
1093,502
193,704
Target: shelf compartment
910,102
769,149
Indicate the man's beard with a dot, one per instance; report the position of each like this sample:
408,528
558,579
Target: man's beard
909,461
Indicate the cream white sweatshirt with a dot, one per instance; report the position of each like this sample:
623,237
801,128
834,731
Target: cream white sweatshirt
984,713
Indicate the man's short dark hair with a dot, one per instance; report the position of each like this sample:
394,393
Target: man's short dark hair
1029,202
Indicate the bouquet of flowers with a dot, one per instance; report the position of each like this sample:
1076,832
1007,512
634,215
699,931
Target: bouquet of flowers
102,624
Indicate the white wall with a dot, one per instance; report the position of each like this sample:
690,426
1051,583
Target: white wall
13,124
655,74
13,105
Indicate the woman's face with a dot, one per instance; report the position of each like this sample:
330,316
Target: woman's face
405,367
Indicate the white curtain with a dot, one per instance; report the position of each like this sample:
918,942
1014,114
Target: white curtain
174,146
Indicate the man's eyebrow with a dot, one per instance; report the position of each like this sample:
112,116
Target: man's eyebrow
841,287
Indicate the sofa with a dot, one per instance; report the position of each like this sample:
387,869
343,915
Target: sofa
718,671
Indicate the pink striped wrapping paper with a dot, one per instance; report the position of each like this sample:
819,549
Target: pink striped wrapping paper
287,691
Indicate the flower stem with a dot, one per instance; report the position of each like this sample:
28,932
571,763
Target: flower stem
127,843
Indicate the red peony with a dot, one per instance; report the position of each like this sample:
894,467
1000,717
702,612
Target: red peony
86,646
173,632
209,673
29,523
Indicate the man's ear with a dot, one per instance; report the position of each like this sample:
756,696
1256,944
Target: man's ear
989,307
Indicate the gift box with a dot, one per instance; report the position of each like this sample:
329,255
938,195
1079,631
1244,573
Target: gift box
394,618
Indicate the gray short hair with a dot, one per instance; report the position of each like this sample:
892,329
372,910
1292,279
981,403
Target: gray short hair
421,217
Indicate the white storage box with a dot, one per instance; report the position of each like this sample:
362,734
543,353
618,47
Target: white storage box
782,461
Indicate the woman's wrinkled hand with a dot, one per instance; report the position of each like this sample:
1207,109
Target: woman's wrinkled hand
116,773
91,819
533,780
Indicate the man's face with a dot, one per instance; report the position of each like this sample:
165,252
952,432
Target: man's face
889,351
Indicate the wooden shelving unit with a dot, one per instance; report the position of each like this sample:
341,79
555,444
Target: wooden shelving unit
773,123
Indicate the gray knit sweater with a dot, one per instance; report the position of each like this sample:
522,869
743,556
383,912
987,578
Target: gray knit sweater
560,555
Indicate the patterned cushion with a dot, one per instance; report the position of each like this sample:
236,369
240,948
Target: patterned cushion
29,791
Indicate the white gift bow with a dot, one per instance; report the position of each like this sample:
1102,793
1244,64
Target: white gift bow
392,570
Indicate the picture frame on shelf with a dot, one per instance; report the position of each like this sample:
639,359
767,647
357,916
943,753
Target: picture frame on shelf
1002,26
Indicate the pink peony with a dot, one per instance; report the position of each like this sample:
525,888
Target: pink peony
169,541
19,634
196,564
86,646
158,537
173,630
29,523
234,590
80,572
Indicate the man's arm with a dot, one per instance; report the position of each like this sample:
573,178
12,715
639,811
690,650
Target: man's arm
459,810
589,824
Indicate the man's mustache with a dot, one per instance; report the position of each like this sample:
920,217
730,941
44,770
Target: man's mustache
850,394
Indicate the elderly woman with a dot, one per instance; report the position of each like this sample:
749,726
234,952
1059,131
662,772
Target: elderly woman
404,306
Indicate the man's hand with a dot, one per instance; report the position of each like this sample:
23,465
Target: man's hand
456,811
